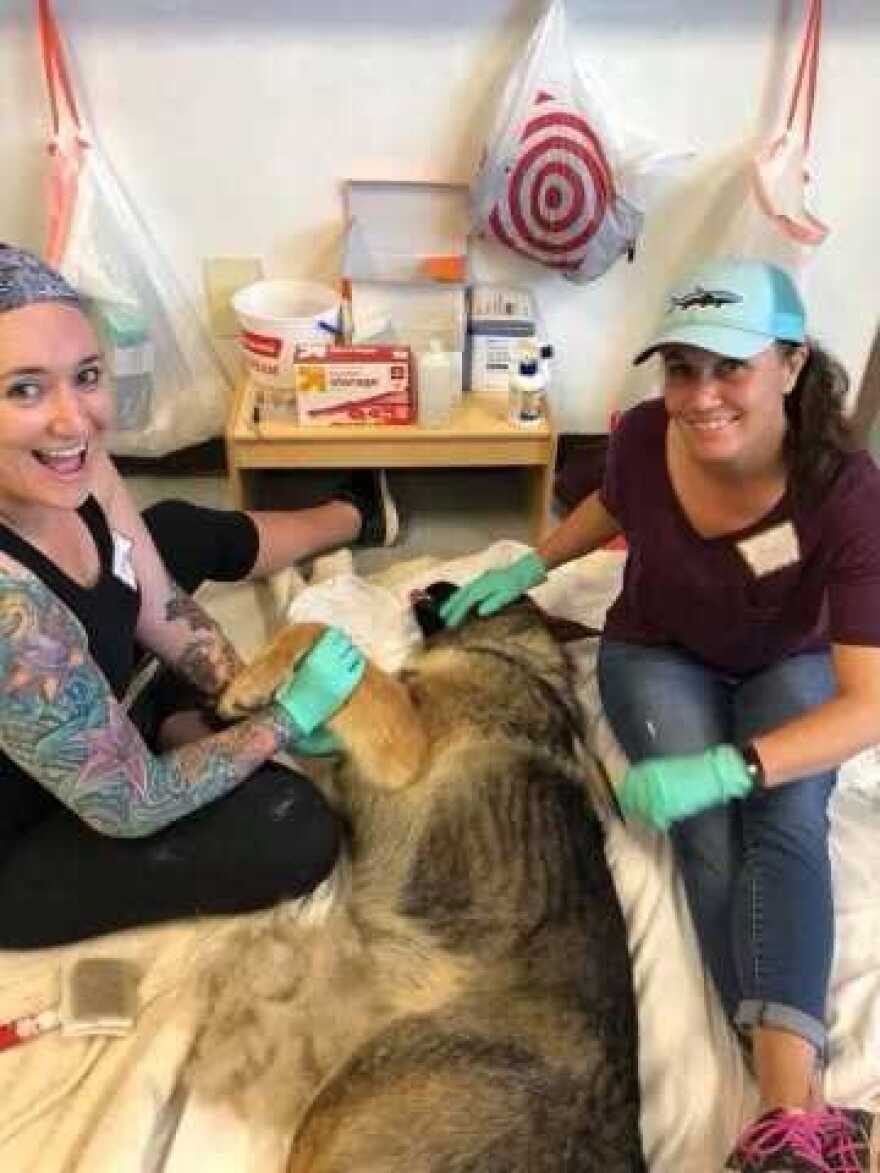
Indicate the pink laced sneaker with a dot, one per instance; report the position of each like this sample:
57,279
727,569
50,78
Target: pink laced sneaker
851,1140
782,1142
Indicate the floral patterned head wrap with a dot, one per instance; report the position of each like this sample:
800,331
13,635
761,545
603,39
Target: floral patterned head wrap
25,279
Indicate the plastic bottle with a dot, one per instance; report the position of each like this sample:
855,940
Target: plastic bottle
527,389
129,352
546,355
438,390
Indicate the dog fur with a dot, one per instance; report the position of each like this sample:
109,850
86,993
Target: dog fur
464,1001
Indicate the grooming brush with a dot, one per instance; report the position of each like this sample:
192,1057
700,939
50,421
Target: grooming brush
99,997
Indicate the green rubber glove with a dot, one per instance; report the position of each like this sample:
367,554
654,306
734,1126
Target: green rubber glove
659,791
321,683
494,589
320,743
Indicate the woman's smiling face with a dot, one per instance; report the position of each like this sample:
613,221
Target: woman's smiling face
728,410
54,407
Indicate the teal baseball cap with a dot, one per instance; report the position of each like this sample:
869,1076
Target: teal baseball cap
732,307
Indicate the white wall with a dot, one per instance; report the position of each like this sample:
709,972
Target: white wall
232,123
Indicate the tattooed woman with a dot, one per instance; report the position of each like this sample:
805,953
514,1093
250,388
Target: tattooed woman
104,822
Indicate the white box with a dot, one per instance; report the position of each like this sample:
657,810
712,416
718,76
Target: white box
502,306
500,318
493,359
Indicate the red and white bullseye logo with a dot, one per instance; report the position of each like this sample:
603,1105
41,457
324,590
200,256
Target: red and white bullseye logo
558,188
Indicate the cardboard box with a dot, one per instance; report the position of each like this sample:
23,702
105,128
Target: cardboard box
353,385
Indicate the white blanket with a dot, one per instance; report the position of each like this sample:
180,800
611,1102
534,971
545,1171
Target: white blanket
90,1106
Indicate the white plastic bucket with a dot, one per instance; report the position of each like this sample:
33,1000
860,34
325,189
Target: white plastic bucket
274,317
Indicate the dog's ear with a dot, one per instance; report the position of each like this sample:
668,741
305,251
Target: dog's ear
426,605
568,631
564,631
427,602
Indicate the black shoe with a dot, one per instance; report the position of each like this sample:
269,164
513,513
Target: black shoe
367,491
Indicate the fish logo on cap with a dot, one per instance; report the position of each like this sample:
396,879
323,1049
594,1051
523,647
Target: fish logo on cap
705,298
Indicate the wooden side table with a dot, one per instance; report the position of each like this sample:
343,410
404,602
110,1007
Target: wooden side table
477,436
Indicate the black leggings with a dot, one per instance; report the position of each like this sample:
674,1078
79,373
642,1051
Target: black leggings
272,838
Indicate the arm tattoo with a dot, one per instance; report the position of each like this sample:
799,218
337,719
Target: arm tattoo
209,661
61,723
182,606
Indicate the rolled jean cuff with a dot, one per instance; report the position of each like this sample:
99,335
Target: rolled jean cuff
751,1013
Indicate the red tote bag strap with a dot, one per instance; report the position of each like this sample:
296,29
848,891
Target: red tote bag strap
780,173
803,94
67,142
58,85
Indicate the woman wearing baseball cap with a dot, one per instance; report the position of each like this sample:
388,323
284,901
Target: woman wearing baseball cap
108,821
740,663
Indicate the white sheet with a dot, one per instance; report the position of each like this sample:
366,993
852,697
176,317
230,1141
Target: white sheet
91,1107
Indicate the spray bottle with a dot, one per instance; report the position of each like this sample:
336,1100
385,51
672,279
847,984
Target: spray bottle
527,390
438,385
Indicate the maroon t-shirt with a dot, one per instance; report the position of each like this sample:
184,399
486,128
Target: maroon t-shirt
717,598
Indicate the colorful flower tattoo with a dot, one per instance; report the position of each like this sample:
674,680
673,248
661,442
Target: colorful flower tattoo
61,723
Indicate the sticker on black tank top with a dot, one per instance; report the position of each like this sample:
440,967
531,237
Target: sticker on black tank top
772,549
122,565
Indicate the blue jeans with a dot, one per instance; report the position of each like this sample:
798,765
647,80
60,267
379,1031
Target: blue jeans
756,872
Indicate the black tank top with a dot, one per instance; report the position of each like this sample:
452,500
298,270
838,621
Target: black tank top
109,612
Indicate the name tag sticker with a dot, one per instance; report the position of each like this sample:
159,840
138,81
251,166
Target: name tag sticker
774,549
122,564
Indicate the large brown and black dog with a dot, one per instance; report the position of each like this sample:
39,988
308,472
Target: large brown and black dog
465,1004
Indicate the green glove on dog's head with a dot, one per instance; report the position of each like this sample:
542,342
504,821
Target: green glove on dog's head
660,791
494,589
320,684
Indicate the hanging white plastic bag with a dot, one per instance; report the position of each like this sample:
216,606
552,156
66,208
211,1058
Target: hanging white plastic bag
556,183
170,390
774,221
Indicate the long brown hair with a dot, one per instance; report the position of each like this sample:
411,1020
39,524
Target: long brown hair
818,435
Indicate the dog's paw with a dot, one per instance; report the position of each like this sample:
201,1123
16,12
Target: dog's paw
254,686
